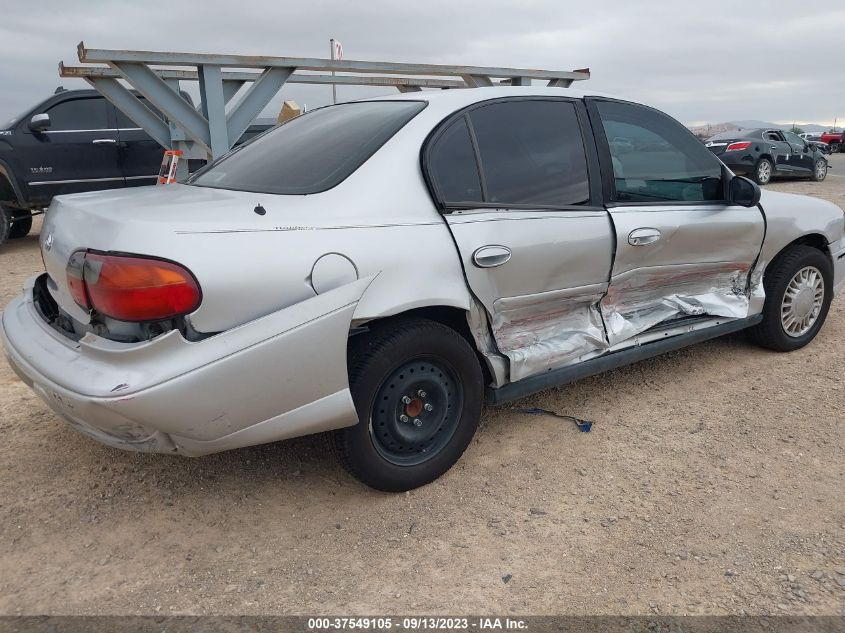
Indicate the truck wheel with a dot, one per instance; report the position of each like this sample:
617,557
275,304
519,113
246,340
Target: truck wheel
834,148
820,170
418,390
798,288
763,171
5,224
21,224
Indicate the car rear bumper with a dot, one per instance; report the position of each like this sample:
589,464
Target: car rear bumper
740,163
280,376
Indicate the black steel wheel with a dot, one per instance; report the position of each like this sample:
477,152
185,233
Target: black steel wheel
415,411
418,390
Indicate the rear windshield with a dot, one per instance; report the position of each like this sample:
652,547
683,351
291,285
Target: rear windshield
313,152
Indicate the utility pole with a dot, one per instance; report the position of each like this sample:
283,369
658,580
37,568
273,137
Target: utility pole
334,86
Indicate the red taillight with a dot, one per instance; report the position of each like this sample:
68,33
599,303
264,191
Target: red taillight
738,147
133,288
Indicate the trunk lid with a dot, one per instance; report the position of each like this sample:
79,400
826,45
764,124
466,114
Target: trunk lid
215,233
718,146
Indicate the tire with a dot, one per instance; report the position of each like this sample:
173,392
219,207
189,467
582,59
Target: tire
438,373
6,216
772,331
763,171
834,148
819,170
21,225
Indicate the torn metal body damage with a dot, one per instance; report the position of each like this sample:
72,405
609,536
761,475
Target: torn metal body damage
548,330
642,298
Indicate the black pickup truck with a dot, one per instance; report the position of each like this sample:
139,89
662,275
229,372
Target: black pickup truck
73,141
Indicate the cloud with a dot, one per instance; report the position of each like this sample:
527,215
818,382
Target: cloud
713,61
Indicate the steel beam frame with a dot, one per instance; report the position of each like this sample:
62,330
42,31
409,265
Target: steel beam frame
219,120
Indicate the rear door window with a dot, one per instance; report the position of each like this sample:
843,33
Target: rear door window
516,153
532,153
79,115
125,123
655,158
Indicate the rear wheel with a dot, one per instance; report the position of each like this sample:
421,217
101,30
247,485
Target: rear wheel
763,171
798,294
820,170
418,390
21,224
834,148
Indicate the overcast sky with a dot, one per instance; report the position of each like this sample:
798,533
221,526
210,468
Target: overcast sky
699,60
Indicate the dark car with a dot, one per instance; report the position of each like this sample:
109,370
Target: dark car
763,153
816,141
73,141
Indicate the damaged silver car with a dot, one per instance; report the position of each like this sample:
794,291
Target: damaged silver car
379,268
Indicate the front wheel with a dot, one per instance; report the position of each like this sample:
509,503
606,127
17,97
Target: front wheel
763,171
798,288
418,390
820,170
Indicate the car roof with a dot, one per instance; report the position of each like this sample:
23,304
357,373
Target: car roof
461,97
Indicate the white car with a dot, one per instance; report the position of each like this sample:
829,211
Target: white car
377,268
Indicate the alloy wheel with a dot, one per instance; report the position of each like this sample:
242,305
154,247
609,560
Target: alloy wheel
764,172
802,301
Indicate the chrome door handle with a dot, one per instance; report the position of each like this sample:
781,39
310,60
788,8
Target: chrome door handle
773,147
641,237
491,256
101,141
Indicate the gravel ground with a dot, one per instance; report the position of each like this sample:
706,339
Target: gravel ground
712,482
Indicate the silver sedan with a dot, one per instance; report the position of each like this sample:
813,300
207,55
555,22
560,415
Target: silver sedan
379,268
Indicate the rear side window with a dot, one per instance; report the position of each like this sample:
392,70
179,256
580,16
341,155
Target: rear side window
79,114
313,152
452,165
529,153
655,158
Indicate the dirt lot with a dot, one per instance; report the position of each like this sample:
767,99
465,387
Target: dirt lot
712,482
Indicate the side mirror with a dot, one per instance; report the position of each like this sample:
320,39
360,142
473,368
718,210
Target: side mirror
39,122
744,192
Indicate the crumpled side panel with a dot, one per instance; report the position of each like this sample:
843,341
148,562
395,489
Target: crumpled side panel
642,298
486,344
547,330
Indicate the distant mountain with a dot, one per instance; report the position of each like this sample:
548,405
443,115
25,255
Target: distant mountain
751,124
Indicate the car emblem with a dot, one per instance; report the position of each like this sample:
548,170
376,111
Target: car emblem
48,243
